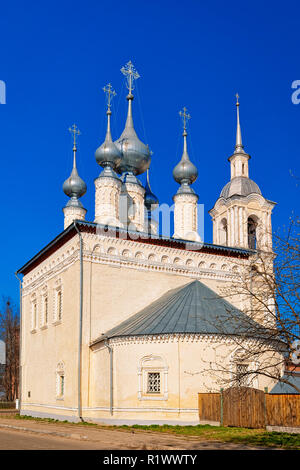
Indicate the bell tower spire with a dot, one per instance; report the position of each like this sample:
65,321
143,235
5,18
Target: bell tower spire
239,158
238,143
242,216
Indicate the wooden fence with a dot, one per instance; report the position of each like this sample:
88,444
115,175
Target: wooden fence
249,407
7,405
283,410
209,406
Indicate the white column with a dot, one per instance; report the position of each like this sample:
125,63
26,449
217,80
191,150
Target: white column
270,238
236,227
241,226
232,226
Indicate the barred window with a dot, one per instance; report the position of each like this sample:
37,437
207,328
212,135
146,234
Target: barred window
34,315
60,380
241,374
59,305
46,310
62,385
58,302
153,385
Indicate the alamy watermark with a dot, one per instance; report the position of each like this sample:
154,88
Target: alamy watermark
163,217
2,92
296,94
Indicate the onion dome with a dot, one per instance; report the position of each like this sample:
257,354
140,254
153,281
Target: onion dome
74,187
151,201
136,155
185,172
108,155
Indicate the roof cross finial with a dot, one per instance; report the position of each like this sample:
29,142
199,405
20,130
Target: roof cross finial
131,74
110,93
75,131
185,117
237,99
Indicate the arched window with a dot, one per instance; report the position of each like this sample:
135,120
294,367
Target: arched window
223,232
251,233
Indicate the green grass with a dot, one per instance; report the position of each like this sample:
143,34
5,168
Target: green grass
253,437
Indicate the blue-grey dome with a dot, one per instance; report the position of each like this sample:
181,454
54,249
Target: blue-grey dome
185,171
108,154
136,156
74,186
240,186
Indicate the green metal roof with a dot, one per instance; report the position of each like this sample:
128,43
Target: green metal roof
192,308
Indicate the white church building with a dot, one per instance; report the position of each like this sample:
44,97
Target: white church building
120,323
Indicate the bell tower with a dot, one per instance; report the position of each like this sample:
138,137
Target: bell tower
242,216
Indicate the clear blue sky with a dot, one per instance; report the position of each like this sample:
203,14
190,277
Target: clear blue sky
57,56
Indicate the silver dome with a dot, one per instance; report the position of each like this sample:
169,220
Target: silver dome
185,171
136,156
240,186
74,186
108,154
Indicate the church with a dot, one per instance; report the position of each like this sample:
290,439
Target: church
119,322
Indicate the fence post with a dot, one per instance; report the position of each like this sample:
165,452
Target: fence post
265,405
221,405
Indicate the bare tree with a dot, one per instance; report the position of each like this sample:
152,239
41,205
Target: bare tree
265,329
10,333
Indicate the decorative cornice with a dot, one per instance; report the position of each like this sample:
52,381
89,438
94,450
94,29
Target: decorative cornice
174,338
126,253
138,237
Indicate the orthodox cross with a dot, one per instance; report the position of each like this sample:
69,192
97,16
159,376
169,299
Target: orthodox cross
75,131
110,93
131,74
185,117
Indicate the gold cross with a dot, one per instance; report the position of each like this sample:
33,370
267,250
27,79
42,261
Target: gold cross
185,117
75,131
110,93
237,99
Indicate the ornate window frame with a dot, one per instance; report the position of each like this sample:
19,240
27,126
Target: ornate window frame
152,363
238,358
60,381
44,308
34,314
58,302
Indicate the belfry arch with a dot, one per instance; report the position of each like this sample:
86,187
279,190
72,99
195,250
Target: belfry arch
252,224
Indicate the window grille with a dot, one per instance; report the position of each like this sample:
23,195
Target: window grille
62,385
153,382
59,305
45,310
34,316
241,374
